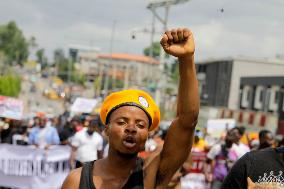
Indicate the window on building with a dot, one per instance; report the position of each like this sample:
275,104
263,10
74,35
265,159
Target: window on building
277,97
261,95
249,92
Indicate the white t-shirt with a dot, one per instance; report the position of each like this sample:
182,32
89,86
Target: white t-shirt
88,146
240,149
214,151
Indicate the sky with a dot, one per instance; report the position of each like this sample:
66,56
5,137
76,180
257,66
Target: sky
221,28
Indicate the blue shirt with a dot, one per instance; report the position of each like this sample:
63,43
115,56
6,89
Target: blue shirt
51,135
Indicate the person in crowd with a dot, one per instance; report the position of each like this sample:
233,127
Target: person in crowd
7,130
3,126
77,123
87,145
21,137
266,139
220,159
151,146
69,130
43,135
281,142
192,169
239,147
259,169
129,115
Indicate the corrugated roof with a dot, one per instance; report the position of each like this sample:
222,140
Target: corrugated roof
129,57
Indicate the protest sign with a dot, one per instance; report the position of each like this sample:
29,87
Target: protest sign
11,108
83,105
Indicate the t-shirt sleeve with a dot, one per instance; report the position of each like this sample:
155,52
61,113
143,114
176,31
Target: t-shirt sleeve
213,152
75,141
237,177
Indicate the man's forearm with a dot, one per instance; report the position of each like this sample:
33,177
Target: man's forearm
188,97
72,157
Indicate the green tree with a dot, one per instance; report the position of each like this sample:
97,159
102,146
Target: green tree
10,85
78,78
66,69
32,42
13,44
156,47
41,58
62,65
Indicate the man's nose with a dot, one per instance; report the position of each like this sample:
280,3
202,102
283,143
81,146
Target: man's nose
131,129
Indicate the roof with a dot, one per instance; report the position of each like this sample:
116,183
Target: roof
129,57
243,59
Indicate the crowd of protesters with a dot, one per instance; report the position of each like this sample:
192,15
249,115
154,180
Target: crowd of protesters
209,161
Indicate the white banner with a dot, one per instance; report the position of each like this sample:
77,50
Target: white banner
194,181
215,127
25,167
84,105
11,107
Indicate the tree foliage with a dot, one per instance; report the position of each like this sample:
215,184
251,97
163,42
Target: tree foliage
41,58
10,85
156,49
66,69
13,44
61,64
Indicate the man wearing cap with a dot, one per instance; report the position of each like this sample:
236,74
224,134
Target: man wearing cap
129,115
43,135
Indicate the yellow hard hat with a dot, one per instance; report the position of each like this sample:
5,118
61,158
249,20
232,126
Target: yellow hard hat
131,97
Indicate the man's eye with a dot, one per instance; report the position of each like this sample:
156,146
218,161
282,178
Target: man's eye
121,122
141,126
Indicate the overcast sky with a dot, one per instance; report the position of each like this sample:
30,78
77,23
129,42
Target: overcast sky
251,28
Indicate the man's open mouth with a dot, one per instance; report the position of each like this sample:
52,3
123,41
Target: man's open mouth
129,142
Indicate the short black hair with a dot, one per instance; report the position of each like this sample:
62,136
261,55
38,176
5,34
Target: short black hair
262,133
240,130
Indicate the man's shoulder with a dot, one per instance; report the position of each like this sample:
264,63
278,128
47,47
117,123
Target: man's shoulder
244,146
263,152
51,128
34,130
257,157
73,179
81,133
216,147
97,135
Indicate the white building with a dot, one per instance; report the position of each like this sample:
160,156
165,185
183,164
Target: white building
117,69
250,90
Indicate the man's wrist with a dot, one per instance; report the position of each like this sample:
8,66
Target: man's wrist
186,58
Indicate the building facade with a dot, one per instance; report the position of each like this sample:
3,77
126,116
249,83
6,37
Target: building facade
249,90
120,71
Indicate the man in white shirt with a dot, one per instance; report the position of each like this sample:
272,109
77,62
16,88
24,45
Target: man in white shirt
87,145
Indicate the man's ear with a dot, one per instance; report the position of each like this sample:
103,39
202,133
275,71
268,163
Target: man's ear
107,130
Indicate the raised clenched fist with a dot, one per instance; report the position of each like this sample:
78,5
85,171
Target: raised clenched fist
178,42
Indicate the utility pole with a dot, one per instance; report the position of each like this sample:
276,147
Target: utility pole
153,6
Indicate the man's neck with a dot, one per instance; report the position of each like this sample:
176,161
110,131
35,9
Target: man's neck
120,165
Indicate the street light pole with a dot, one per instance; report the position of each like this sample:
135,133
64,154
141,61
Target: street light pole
152,6
110,61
